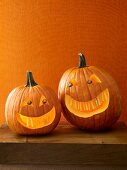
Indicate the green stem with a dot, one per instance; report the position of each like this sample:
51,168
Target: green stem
30,80
82,61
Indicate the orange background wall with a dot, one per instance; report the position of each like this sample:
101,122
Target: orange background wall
46,35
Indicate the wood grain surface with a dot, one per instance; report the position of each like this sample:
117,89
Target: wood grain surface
66,145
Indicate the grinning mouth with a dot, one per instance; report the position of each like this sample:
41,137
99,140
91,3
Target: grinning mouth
89,108
37,122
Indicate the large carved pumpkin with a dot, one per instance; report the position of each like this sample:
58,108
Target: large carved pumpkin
32,109
89,96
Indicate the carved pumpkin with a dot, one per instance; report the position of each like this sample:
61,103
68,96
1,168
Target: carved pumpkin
89,96
32,109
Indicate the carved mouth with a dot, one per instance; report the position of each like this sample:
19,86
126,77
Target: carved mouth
89,108
37,122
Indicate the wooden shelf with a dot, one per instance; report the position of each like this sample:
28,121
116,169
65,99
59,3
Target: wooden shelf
66,145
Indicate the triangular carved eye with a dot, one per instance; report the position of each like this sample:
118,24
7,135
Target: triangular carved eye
94,78
43,101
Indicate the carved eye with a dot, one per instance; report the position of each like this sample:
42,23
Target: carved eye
29,102
44,101
70,84
89,81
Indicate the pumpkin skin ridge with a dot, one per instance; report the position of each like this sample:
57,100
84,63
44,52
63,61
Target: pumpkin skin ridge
67,76
84,79
104,113
94,126
17,124
58,105
12,93
68,71
40,90
45,96
115,83
13,118
98,125
24,96
116,87
39,96
70,89
116,90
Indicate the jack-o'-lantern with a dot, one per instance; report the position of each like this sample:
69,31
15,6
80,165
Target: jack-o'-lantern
32,109
89,96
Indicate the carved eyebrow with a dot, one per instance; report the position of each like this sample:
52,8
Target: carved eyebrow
73,81
95,78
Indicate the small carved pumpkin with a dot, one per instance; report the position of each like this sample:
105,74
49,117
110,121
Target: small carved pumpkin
89,96
32,109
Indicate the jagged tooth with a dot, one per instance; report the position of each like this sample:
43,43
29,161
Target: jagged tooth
72,103
31,122
80,106
99,101
86,106
92,105
96,101
91,108
83,106
75,105
27,121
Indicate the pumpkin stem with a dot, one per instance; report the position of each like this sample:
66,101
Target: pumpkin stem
30,80
82,60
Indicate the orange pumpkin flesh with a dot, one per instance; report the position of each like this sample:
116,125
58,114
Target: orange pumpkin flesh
32,109
90,97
